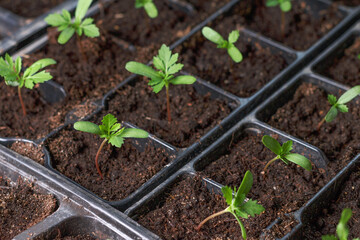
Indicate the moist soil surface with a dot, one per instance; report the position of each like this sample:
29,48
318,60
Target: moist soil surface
339,139
124,170
29,8
180,209
192,114
302,29
284,188
346,68
351,3
126,34
349,198
29,150
21,207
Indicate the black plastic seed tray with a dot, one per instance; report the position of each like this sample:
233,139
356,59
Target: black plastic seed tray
248,115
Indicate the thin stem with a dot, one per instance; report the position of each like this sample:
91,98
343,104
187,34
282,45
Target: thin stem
81,49
211,217
243,230
97,158
320,124
271,161
21,101
168,103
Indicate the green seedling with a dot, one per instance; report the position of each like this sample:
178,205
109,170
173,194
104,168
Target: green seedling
285,6
283,153
68,28
165,63
11,72
112,131
238,205
342,230
216,38
339,105
149,7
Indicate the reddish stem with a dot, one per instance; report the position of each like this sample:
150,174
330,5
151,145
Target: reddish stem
210,217
21,101
97,158
168,103
320,124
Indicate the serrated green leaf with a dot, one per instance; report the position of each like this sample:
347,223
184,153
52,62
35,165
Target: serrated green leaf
39,77
173,59
87,21
88,127
116,141
233,36
241,213
332,99
158,64
66,35
299,160
175,68
42,63
235,53
142,69
252,208
115,127
212,35
165,54
29,84
184,79
349,95
342,108
227,194
55,20
66,16
18,65
81,9
151,10
287,147
134,133
158,87
272,144
91,30
244,188
108,121
331,115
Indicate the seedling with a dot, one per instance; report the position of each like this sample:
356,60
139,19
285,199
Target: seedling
216,38
166,65
112,131
339,105
149,7
67,27
11,72
283,153
342,230
285,6
238,206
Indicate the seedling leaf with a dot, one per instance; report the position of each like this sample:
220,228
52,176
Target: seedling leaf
81,9
149,7
272,144
299,160
184,79
88,127
342,229
142,69
213,36
227,193
349,95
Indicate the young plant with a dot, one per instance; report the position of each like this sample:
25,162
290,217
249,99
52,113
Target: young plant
166,65
67,27
339,105
342,230
149,7
11,72
283,153
238,206
285,6
216,38
112,131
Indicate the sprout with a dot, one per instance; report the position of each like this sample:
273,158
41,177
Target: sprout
285,6
342,230
149,7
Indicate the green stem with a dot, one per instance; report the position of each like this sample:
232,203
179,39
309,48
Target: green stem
211,217
168,103
271,161
97,158
320,124
21,101
243,230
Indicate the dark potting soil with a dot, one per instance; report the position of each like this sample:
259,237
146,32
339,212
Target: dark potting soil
21,207
351,3
183,207
192,114
339,140
302,29
349,198
29,8
29,150
124,170
284,188
346,68
243,79
106,59
77,237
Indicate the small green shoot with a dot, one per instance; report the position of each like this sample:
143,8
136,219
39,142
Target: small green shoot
166,65
283,153
112,131
11,72
342,230
285,6
67,27
149,7
339,105
238,206
216,38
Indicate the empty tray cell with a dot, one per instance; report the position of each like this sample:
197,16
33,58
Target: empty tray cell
29,8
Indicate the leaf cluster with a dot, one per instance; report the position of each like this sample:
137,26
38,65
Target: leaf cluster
111,130
283,152
342,230
149,7
11,72
165,63
67,27
238,206
339,105
285,5
216,38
